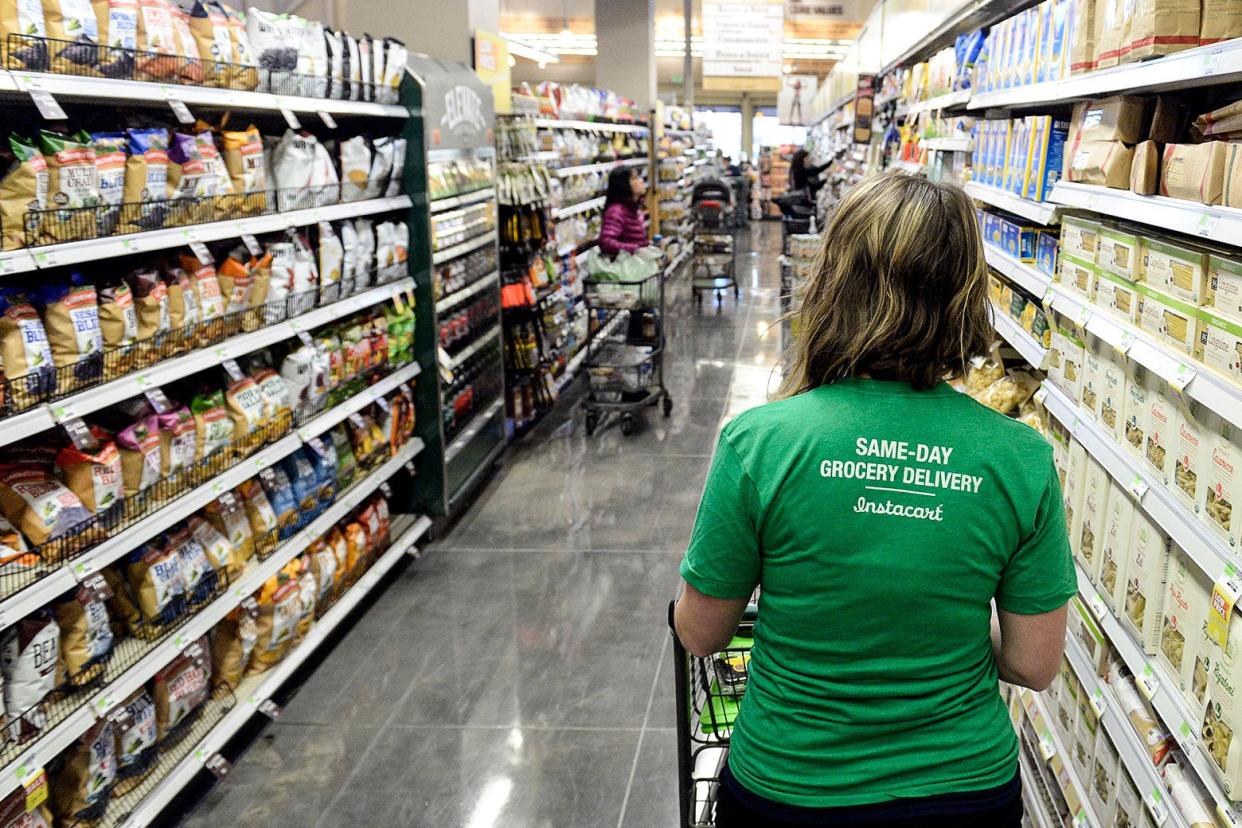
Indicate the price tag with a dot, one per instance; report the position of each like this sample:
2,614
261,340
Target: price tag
47,106
15,262
1186,735
159,401
1138,486
409,466
1097,702
47,258
1155,804
1124,342
383,404
385,489
270,709
180,641
104,704
1225,594
27,83
290,118
1229,815
317,446
1084,316
201,252
181,111
217,765
1210,61
1098,607
1182,376
357,420
252,244
327,119
306,338
234,370
260,463
1041,395
1206,225
61,412
1147,683
1047,747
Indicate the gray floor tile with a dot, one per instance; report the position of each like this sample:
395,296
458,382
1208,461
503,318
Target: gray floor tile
653,793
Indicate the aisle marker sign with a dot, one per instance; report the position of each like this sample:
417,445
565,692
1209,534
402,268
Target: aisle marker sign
290,118
47,106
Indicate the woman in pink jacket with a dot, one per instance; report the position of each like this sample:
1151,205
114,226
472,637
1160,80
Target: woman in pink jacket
624,227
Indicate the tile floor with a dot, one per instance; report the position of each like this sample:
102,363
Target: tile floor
518,673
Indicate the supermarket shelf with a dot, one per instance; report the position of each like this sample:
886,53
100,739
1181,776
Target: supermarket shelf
581,207
1016,335
941,102
1040,212
602,166
47,747
481,419
1020,273
101,396
1133,753
459,296
1164,697
1053,738
1033,804
340,413
1219,224
474,347
110,91
963,144
448,203
1213,65
468,246
548,123
258,689
111,247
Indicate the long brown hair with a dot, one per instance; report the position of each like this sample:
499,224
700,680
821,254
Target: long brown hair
899,289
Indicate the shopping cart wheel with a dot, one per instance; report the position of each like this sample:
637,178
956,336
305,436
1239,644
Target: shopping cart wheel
592,420
668,406
627,424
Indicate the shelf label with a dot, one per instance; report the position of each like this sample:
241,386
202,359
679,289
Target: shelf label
62,412
1229,815
1138,486
217,765
46,103
1225,594
234,370
47,258
327,119
290,118
252,244
1206,225
306,338
1155,804
1186,735
1047,747
1182,376
1097,702
1125,342
1084,316
1210,61
409,466
1098,607
201,253
16,262
181,111
270,709
1041,395
1147,682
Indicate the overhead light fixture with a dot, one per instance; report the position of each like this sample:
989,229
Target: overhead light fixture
789,68
520,47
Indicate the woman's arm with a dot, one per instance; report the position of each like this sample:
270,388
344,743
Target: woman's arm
705,624
1028,648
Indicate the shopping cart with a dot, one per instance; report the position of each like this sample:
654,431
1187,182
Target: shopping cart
715,254
625,360
709,695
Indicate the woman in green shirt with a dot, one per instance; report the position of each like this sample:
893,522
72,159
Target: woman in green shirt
883,514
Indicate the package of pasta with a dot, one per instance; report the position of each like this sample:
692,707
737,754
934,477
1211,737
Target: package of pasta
212,423
157,49
232,642
23,193
25,32
245,72
91,467
110,159
210,28
146,181
26,806
219,550
83,776
199,577
73,37
381,167
280,607
247,167
142,456
71,320
228,516
42,507
85,632
118,32
181,689
29,656
133,725
396,181
153,573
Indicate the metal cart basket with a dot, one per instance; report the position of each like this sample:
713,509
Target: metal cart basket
715,255
709,695
625,360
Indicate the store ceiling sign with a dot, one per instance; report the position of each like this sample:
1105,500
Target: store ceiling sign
812,11
743,40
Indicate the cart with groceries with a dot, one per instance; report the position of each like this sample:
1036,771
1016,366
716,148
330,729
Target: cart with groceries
714,263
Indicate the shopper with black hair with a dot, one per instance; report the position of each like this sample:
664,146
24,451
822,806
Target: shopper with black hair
624,226
803,175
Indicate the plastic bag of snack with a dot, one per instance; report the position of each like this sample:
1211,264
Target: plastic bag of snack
396,55
246,407
40,505
216,180
91,468
331,260
216,545
303,480
25,31
123,610
118,31
210,29
984,372
351,257
82,779
276,402
146,181
355,161
228,516
247,166
183,315
352,67
111,157
213,425
381,167
178,441
85,634
118,323
1010,391
70,313
370,520
245,74
322,563
232,642
157,52
366,56
280,284
29,655
199,577
181,689
401,247
133,725
358,544
211,299
313,62
259,511
190,68
153,573
191,181
15,556
365,266
151,307
334,44
293,163
385,251
73,37
142,457
280,605
346,464
322,455
296,372
23,192
275,39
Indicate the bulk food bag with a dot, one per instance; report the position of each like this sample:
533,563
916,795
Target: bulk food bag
91,468
23,193
274,39
146,181
178,441
154,577
71,321
210,28
334,44
73,37
228,517
331,259
352,69
42,508
25,31
280,607
247,167
181,689
199,578
85,634
133,725
381,167
118,32
29,654
82,779
232,642
156,59
355,164
398,167
118,323
111,157
73,187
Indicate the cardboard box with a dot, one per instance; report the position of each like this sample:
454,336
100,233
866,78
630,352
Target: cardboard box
1223,450
1139,387
1189,484
1113,394
1071,488
1078,276
1067,342
1161,27
1046,252
1089,522
1119,297
1224,294
1119,252
1160,446
1170,320
1018,240
1104,163
1232,195
1080,237
1058,46
1221,20
1175,269
1102,784
1220,344
1185,649
1146,570
1145,169
1223,715
1082,750
1081,24
1194,172
1118,522
1047,156
1093,357
1129,804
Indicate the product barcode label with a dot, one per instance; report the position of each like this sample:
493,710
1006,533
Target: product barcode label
1206,225
1047,747
1138,486
1098,607
1147,681
1229,815
181,111
1155,804
1097,702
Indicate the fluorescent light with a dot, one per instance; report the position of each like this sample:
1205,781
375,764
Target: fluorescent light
667,46
520,47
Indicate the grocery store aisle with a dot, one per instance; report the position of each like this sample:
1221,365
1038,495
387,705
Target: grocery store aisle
517,674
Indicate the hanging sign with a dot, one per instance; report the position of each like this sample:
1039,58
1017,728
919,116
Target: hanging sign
491,64
864,108
743,40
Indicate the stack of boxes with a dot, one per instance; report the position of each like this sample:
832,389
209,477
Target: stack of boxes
1023,156
1030,47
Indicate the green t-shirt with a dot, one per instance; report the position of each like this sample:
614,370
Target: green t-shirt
880,522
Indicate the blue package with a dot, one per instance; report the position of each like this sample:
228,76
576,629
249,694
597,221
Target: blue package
1046,253
77,300
164,570
322,455
304,481
279,492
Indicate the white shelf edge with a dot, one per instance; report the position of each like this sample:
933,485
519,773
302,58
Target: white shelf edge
600,166
481,419
475,346
1020,273
1067,763
457,297
550,123
45,748
1203,66
1040,212
468,246
948,99
449,202
1016,335
964,144
580,207
1218,224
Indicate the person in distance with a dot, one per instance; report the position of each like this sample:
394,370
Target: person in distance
909,544
803,175
624,225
